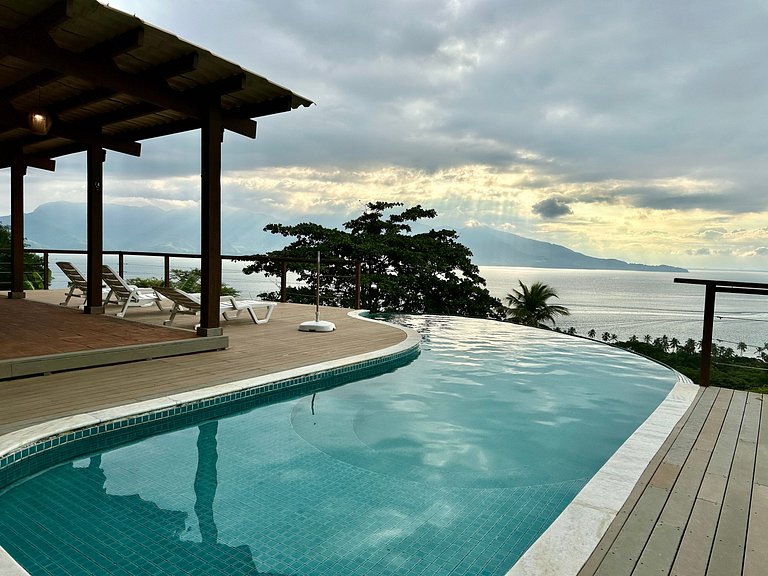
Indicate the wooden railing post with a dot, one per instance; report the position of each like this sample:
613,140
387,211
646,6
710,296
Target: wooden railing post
46,276
121,264
706,338
166,270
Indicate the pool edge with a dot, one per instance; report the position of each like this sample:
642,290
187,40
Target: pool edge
569,541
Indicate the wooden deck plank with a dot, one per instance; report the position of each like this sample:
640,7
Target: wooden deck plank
693,553
661,549
626,549
730,538
706,397
756,555
761,461
630,542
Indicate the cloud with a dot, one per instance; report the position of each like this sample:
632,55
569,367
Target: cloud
552,208
625,116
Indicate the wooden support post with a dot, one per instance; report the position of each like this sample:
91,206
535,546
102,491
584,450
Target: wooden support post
18,171
706,338
210,221
166,271
95,231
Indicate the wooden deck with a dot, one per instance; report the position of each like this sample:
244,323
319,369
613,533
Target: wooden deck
701,506
254,350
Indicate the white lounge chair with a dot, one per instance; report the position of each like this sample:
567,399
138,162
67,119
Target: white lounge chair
78,285
125,294
229,306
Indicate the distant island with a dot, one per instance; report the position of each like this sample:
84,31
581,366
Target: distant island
496,248
149,229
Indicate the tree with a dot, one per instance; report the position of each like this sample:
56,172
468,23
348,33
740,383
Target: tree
528,305
606,336
592,333
34,268
186,280
689,347
741,347
401,271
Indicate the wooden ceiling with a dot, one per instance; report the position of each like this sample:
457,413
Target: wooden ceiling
109,79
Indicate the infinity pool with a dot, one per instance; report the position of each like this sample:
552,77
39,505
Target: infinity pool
453,464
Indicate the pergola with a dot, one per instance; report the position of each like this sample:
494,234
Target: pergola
79,76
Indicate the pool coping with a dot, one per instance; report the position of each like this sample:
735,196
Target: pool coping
33,441
569,541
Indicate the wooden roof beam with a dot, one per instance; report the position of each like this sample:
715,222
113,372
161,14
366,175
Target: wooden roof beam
103,51
106,74
50,18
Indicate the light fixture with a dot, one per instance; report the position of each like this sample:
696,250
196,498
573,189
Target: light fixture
39,121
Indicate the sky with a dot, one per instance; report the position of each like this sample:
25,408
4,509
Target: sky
635,130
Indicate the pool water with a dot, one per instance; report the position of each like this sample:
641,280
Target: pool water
453,464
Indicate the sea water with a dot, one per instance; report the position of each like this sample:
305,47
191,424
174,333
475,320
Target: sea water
620,302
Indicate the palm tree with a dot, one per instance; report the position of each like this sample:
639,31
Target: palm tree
606,336
741,347
528,306
647,338
592,333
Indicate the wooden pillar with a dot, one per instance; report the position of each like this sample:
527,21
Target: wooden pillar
95,231
706,338
210,221
18,171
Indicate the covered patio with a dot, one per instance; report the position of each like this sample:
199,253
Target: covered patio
77,76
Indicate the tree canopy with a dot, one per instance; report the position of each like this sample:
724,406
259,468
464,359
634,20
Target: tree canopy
529,306
401,271
34,269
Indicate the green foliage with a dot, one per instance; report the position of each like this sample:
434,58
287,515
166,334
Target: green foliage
425,273
727,370
34,269
186,280
529,305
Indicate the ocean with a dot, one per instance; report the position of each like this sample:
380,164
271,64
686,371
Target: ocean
619,302
629,303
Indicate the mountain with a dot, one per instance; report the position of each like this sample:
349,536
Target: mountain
496,248
150,229
145,229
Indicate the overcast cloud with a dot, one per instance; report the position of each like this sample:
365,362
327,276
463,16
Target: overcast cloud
575,122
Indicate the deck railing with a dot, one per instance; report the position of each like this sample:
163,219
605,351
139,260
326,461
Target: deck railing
167,256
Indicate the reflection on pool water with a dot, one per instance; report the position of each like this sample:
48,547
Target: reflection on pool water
453,464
